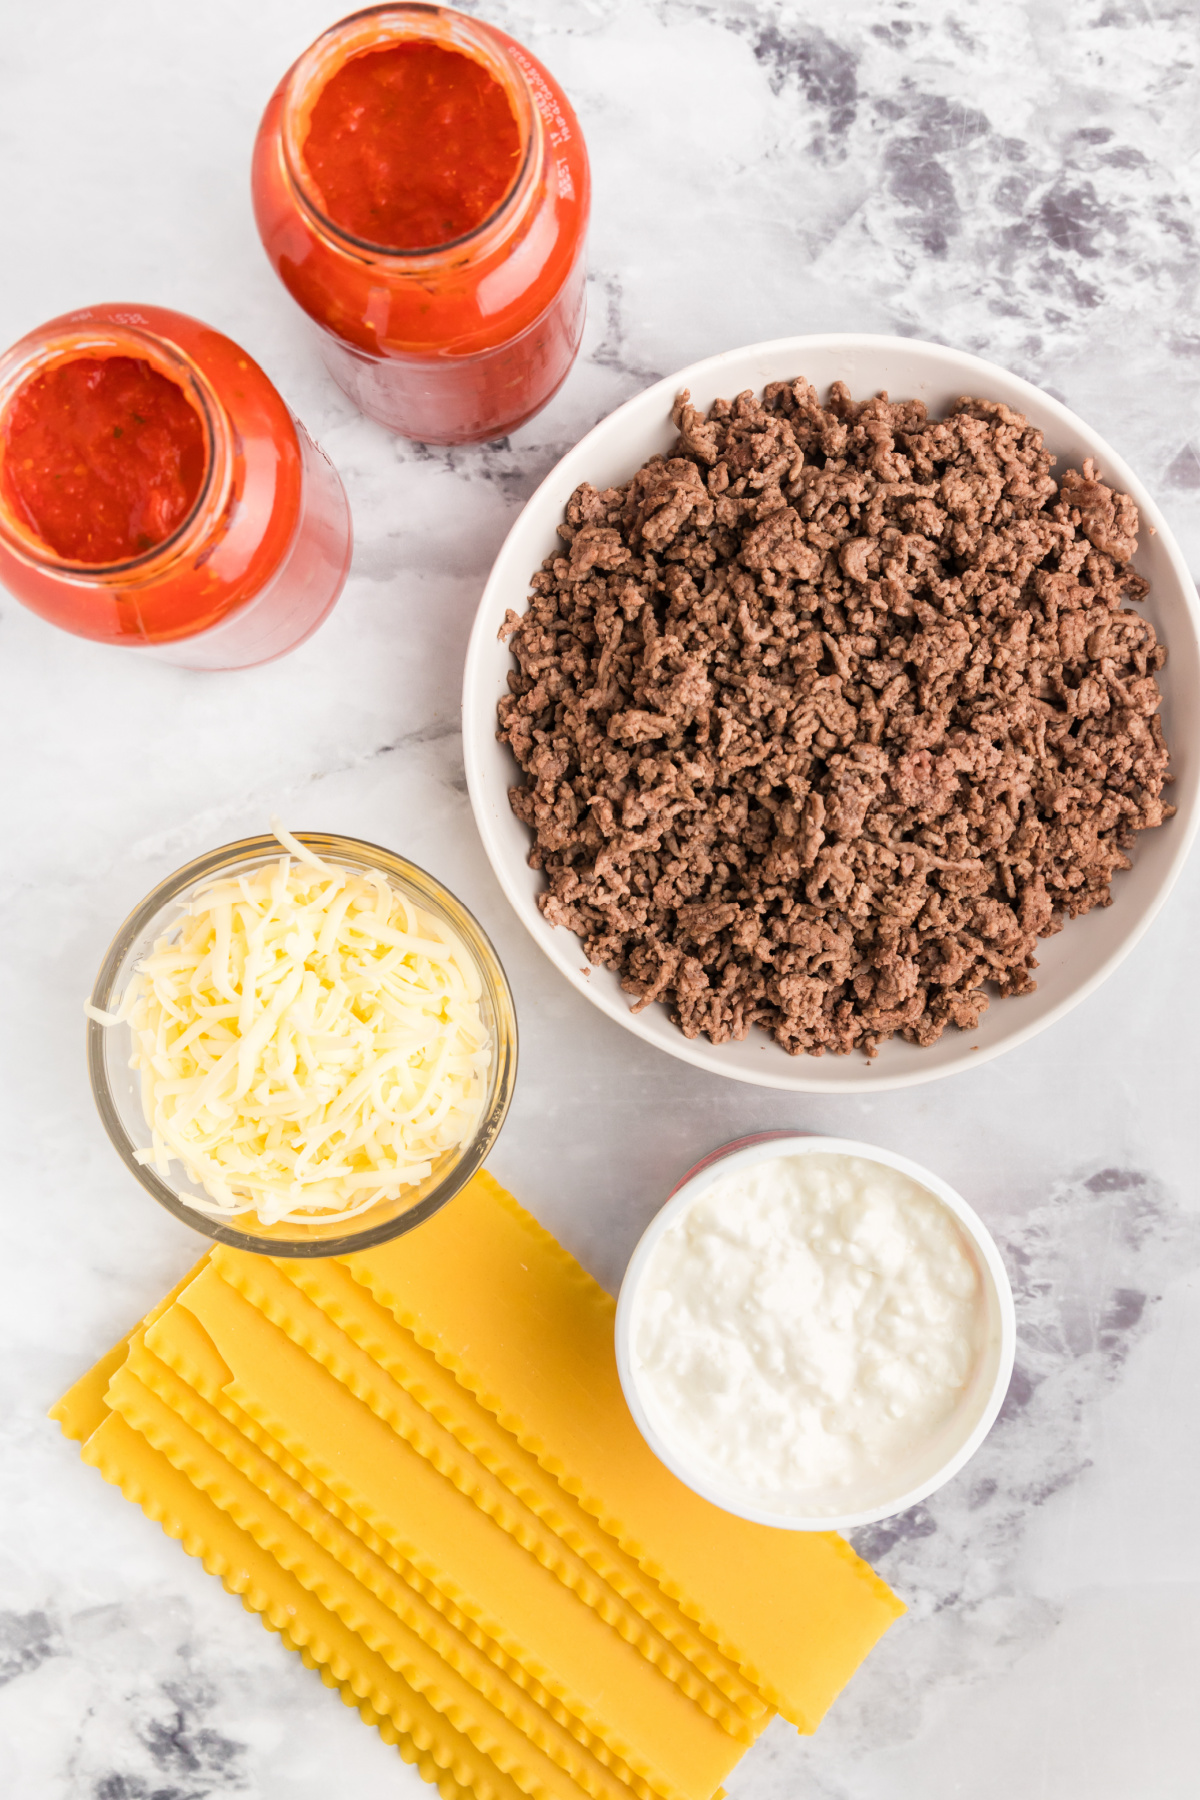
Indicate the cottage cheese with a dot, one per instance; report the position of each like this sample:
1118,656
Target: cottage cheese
805,1328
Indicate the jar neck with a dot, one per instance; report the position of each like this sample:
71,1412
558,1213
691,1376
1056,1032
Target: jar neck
379,28
44,351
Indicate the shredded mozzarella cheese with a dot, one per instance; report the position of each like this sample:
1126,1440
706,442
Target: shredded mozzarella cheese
309,1042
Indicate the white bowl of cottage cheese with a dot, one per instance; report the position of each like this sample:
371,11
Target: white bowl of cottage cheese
814,1333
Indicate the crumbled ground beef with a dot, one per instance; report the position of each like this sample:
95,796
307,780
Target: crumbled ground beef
830,714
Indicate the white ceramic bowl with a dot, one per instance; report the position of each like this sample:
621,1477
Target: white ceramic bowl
1072,963
955,1442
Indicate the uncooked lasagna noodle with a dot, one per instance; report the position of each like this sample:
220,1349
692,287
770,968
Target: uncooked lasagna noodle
416,1465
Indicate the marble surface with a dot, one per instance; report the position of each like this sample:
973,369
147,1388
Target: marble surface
1017,179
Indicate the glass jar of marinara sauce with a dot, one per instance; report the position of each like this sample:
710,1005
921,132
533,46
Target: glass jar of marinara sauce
155,491
421,186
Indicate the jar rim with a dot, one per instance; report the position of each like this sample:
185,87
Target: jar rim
67,341
377,27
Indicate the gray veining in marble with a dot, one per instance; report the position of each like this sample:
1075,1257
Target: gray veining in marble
1016,177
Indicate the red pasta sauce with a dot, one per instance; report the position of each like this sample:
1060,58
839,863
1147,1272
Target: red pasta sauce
421,187
103,457
155,491
413,146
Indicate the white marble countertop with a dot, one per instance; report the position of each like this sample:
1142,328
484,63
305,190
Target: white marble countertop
1016,179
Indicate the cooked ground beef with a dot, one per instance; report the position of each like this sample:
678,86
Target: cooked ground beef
830,714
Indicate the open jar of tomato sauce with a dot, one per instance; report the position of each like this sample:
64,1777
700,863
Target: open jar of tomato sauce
155,491
422,188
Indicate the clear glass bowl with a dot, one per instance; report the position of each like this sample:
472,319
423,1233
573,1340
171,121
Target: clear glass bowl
116,1087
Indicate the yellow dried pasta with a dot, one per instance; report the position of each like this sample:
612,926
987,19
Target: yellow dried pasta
331,1286
417,1466
124,1458
486,1289
286,1304
513,1739
621,1700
